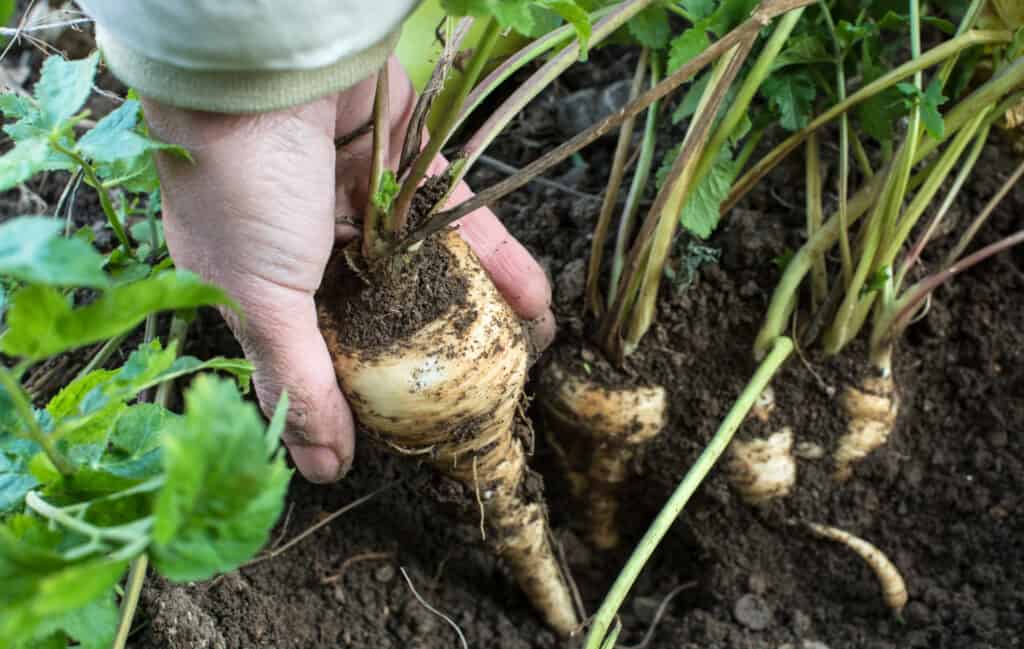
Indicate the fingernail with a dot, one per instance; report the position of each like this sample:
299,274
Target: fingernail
318,464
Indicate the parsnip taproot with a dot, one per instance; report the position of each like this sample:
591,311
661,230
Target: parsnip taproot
449,393
762,469
608,425
871,408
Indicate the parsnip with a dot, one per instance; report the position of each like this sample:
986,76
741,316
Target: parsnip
449,393
763,469
872,409
894,589
610,424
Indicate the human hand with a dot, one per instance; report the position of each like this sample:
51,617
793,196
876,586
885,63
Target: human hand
256,214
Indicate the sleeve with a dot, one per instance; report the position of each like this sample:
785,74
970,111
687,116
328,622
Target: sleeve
242,56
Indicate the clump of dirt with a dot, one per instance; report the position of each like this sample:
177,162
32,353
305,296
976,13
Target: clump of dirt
370,308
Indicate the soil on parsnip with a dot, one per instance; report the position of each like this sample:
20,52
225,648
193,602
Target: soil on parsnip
944,499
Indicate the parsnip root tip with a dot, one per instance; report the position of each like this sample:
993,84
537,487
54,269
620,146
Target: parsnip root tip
894,588
764,406
762,470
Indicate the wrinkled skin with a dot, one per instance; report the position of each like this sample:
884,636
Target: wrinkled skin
258,214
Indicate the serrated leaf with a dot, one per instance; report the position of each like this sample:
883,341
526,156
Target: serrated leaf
513,13
573,14
931,99
42,322
702,211
15,478
650,27
685,47
880,112
15,106
26,159
115,138
32,250
222,492
731,13
387,191
698,8
803,49
792,95
42,591
688,106
849,34
63,87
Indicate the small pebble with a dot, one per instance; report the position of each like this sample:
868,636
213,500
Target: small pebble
801,623
385,573
753,612
757,584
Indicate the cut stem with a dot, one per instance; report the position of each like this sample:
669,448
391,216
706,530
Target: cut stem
781,350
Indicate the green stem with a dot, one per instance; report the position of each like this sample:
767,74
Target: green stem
844,151
930,58
375,213
666,517
638,186
35,432
127,533
968,236
860,154
815,217
611,195
743,157
136,577
947,203
679,11
663,219
740,104
995,90
176,336
444,129
101,191
102,355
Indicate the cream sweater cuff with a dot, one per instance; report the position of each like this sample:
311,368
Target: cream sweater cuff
230,91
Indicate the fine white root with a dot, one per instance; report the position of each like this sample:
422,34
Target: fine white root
449,393
894,589
871,408
601,429
763,469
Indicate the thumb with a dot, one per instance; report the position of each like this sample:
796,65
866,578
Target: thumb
280,337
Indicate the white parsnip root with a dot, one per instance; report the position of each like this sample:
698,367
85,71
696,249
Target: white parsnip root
762,469
872,409
449,393
894,589
608,425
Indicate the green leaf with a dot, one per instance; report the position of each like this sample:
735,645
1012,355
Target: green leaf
32,250
115,138
731,13
687,45
880,112
15,478
698,8
15,106
702,211
26,159
849,34
650,27
43,591
573,14
792,95
688,106
222,492
930,114
42,322
513,13
803,49
7,8
63,87
389,188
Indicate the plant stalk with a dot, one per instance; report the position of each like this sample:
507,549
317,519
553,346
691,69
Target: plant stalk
377,215
411,183
968,236
641,174
130,600
815,217
101,190
611,196
781,349
931,57
660,225
35,432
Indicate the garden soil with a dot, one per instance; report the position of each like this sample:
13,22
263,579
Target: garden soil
944,499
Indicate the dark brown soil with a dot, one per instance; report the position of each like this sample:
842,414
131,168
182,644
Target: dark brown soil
944,499
370,308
